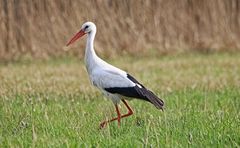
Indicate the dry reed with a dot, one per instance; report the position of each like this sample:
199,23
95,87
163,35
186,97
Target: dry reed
37,28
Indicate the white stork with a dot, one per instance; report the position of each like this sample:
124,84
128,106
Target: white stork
115,83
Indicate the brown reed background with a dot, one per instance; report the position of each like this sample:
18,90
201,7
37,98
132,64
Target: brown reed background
41,28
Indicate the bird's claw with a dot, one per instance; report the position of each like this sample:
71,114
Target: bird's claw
103,124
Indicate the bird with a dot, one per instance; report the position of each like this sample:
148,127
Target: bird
114,83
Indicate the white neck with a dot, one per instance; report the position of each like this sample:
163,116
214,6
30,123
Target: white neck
90,56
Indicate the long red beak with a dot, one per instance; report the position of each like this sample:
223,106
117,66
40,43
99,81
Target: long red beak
77,36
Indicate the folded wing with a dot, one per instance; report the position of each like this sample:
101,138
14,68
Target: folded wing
119,82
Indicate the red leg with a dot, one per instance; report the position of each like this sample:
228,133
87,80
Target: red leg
130,112
118,115
104,123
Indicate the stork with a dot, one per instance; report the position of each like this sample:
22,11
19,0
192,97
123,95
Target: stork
113,82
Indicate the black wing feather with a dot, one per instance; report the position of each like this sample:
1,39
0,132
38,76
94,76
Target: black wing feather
137,92
134,80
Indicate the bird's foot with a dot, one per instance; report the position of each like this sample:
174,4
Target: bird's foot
103,124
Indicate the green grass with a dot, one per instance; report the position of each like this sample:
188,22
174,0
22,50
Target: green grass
51,103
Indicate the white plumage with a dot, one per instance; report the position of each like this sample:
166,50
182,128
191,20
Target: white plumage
115,83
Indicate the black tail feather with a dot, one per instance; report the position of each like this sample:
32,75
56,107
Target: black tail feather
150,96
139,92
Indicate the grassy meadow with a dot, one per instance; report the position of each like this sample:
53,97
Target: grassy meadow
46,99
51,103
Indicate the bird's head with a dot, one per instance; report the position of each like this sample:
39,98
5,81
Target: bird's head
86,28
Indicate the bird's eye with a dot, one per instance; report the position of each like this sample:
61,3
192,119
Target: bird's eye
86,27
